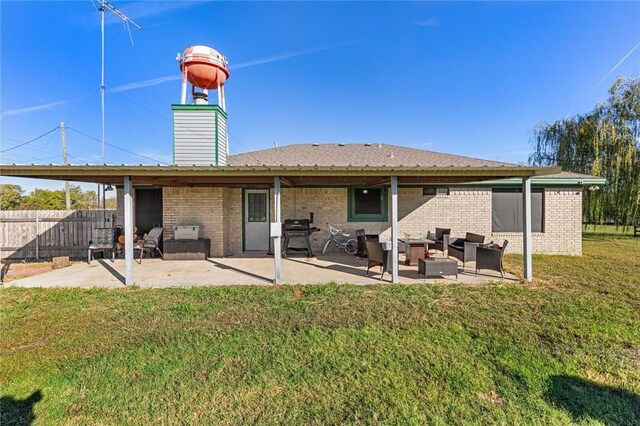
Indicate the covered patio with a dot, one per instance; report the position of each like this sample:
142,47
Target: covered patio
254,269
238,270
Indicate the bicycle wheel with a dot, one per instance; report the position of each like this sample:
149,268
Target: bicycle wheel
326,246
351,246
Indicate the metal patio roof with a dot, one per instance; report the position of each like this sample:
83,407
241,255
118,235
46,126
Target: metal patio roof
263,175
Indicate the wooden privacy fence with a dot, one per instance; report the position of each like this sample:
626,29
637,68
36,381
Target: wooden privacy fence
43,234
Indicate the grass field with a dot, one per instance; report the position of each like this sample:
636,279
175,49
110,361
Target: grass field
607,230
565,349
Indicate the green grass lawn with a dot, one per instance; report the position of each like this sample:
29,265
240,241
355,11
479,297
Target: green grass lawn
607,229
565,349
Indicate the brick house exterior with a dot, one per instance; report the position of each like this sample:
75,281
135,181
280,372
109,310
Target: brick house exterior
386,190
218,211
464,208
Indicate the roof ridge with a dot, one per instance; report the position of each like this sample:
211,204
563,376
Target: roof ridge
372,144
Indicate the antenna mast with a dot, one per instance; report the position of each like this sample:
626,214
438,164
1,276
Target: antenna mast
126,21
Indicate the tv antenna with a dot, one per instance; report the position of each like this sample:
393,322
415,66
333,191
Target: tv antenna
126,21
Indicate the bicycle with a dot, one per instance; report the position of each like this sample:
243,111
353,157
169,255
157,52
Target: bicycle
340,240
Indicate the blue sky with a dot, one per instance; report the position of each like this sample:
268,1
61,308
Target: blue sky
464,78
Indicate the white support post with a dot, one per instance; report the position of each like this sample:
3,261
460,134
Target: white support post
183,92
128,231
277,244
394,229
526,231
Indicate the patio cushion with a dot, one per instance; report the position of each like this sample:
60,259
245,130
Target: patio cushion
459,242
100,246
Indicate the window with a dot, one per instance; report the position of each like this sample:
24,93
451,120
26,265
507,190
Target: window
367,204
257,206
431,191
506,210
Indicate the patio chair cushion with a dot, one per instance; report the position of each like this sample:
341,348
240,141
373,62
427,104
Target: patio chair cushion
458,242
100,246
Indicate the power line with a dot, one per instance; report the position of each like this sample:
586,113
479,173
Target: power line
139,117
115,146
31,158
29,141
41,149
46,142
247,151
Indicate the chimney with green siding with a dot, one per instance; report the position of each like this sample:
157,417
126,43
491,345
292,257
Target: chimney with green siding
199,135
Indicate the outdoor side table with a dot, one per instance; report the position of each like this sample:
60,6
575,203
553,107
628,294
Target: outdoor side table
432,266
416,249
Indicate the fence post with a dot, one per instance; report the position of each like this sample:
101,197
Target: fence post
37,235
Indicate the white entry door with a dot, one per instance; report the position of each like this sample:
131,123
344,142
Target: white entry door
256,219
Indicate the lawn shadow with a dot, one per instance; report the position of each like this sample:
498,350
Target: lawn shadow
18,411
585,399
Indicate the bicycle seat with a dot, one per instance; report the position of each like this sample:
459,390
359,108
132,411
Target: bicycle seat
346,235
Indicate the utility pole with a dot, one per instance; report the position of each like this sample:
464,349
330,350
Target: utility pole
125,19
102,78
65,161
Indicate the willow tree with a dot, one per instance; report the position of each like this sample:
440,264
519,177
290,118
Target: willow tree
604,142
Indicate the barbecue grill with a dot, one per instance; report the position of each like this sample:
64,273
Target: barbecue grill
298,228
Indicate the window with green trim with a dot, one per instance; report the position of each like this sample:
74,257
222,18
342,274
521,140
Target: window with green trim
367,204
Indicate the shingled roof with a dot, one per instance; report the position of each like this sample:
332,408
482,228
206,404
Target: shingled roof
352,154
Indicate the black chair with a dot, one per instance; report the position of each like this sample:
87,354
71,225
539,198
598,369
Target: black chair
102,239
376,256
151,244
490,258
439,239
362,243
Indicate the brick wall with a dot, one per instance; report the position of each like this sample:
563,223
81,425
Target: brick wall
195,206
562,225
232,209
219,212
463,210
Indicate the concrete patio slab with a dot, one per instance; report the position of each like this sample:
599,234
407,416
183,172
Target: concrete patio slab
248,269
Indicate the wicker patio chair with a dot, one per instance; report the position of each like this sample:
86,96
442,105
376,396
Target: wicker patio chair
376,256
151,244
102,239
490,258
464,249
